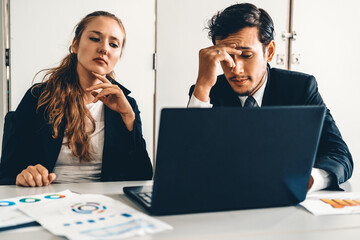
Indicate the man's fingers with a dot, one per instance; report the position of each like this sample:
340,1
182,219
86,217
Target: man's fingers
224,54
227,48
228,56
229,61
52,177
232,51
311,182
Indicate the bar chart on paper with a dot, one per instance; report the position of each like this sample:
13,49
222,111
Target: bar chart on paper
330,203
341,203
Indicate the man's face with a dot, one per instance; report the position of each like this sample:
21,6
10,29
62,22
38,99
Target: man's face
250,67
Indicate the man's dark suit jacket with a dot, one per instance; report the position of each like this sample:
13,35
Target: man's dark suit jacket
288,88
28,141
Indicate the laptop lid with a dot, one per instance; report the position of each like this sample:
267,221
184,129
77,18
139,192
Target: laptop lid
234,158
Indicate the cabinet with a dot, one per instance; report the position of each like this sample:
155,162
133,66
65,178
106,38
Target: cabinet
328,47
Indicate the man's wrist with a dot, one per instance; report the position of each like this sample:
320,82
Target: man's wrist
196,103
311,183
321,179
202,92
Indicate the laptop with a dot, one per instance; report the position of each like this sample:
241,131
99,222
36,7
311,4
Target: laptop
219,159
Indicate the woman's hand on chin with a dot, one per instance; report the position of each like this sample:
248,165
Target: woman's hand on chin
113,97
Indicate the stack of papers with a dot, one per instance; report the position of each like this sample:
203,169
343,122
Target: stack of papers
330,203
87,216
11,216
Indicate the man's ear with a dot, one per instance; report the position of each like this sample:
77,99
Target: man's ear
270,51
74,46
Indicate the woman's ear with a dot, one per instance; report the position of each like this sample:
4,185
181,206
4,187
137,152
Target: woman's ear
74,46
270,51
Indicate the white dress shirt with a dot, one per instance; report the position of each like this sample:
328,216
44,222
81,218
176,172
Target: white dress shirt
321,177
68,168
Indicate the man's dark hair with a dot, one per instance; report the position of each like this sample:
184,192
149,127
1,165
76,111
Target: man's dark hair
239,16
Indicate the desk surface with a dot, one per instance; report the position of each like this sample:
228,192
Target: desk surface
270,223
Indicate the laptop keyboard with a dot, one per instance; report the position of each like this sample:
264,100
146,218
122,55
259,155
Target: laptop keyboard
145,196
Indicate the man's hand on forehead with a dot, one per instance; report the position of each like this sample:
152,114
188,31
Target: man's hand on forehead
208,60
224,52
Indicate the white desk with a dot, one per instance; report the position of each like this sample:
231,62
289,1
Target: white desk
271,223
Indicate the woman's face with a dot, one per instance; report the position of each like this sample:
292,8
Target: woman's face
99,48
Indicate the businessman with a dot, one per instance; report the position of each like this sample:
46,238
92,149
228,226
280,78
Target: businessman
243,38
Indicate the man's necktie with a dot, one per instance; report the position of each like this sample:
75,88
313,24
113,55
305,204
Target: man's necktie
250,102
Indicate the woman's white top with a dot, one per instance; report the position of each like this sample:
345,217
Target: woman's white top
68,168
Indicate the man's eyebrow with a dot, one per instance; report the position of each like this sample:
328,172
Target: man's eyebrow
100,33
243,48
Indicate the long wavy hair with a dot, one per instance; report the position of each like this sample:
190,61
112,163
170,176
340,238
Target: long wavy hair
63,97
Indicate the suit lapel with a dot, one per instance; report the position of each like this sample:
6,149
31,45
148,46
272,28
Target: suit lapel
266,101
115,145
270,97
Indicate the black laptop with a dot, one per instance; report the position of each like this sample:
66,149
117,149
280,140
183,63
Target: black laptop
219,159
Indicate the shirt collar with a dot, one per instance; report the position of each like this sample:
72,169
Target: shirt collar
258,95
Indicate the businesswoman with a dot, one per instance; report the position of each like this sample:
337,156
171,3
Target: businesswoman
79,124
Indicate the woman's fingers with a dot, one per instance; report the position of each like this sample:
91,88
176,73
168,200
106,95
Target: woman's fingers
106,88
35,176
101,77
20,181
52,177
108,91
98,86
104,93
44,173
29,178
39,174
110,94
